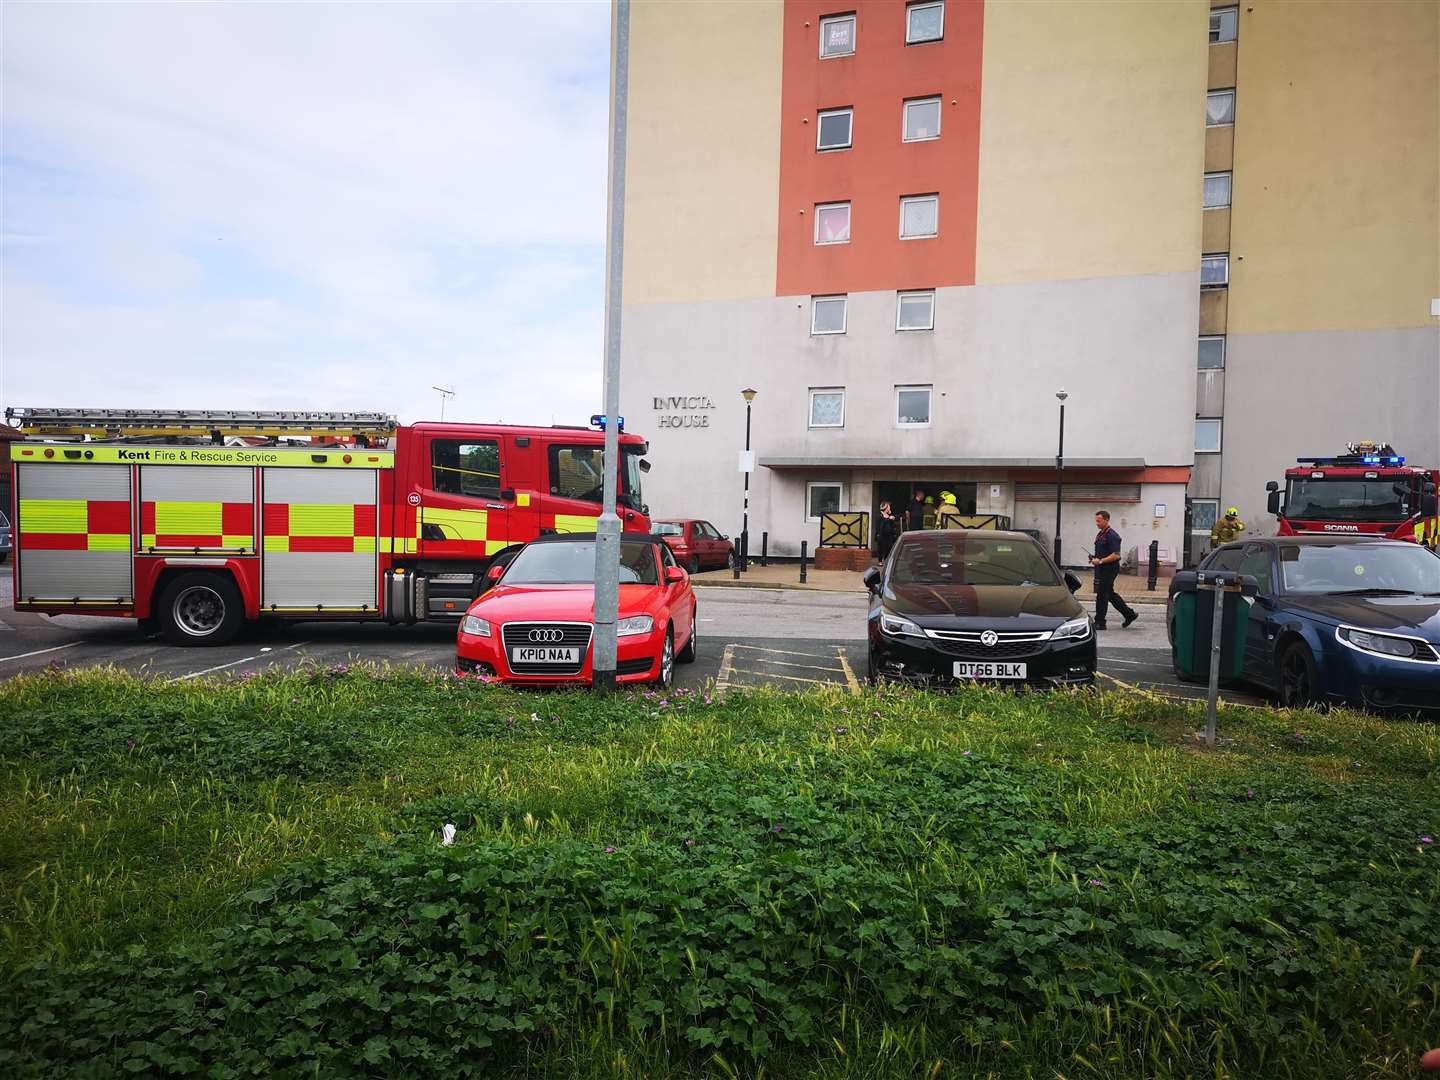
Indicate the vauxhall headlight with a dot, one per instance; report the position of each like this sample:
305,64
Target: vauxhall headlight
473,624
1381,644
634,626
1074,630
895,626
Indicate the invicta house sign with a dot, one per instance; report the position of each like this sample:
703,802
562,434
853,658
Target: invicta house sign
684,412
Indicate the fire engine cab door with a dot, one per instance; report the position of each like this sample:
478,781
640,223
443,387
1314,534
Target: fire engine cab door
73,536
319,551
462,514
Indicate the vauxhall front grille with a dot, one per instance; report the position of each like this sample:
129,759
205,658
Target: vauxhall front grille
546,635
970,645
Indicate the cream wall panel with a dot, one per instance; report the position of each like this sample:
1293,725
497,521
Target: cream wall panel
1336,221
1091,139
703,167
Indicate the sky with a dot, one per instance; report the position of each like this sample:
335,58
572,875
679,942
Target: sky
304,206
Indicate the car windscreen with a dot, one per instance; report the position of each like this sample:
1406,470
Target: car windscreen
1349,500
573,563
970,559
1359,568
668,528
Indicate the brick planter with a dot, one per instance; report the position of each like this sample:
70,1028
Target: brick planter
838,558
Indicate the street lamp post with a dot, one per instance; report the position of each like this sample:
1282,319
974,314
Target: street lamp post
1060,473
743,562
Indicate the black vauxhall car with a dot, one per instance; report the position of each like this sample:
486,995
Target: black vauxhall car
959,605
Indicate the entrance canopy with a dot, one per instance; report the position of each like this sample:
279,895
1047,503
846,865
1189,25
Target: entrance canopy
948,463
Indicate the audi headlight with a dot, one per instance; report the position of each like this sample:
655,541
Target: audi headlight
635,624
895,626
1074,630
473,624
1380,644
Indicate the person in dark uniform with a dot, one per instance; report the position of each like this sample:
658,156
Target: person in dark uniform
1106,562
916,518
887,529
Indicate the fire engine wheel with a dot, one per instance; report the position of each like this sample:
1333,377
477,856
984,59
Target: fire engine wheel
200,609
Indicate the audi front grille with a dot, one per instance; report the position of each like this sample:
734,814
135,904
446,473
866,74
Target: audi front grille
519,635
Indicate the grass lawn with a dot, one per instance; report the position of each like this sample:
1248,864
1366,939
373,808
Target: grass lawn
246,877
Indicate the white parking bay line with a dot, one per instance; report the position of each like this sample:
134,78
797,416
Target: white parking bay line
233,663
40,652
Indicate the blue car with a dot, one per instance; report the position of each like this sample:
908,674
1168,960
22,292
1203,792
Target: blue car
1343,620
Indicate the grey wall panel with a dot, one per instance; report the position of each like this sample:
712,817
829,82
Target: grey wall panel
308,578
75,575
102,483
320,485
197,483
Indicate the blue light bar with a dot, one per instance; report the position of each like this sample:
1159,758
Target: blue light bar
598,421
1397,461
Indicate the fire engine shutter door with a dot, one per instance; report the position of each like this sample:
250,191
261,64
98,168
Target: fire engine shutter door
319,551
74,533
204,507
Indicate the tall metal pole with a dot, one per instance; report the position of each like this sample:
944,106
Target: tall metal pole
745,513
607,528
1059,476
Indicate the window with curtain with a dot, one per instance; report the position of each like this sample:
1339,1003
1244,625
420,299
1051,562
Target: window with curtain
1214,271
832,223
919,216
1217,190
924,22
1219,108
915,311
827,407
837,36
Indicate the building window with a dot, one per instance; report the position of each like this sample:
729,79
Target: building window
837,36
1217,190
827,314
912,406
1214,271
822,499
1219,108
832,223
919,216
1203,515
833,130
1212,353
924,22
921,119
827,406
466,468
1207,435
915,310
1222,25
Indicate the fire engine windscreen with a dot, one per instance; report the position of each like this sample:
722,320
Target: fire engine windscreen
573,563
1314,499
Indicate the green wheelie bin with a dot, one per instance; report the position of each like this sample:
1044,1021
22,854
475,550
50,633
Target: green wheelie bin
1193,614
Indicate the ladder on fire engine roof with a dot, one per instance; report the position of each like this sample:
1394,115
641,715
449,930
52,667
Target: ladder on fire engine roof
214,424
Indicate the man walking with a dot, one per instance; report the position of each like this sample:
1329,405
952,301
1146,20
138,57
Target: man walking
917,509
1106,562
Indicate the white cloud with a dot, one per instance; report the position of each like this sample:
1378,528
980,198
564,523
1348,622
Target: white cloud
305,206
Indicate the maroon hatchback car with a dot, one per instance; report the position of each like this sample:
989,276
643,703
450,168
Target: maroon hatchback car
696,545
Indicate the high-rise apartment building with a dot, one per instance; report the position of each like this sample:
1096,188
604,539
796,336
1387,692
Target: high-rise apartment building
908,226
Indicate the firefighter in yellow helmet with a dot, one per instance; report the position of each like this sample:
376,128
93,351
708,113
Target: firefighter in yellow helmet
948,516
1227,528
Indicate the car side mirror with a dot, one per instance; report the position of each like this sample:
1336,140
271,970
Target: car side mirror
1072,582
871,577
674,575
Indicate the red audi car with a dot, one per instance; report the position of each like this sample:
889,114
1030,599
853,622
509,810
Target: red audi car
536,623
697,545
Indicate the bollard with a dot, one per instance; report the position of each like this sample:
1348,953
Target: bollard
1154,567
804,545
765,548
735,559
745,550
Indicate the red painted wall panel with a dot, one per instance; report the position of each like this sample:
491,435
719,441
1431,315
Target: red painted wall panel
879,167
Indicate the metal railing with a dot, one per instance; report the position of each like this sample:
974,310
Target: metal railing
845,530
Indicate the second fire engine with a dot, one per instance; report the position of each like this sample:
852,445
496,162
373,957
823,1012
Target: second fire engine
1367,490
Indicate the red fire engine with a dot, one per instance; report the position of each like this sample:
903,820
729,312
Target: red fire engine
1368,490
196,522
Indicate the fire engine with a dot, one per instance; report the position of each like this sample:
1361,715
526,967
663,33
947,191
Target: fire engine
1367,490
195,522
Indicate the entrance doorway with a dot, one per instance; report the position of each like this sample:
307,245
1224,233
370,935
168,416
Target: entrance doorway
898,494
